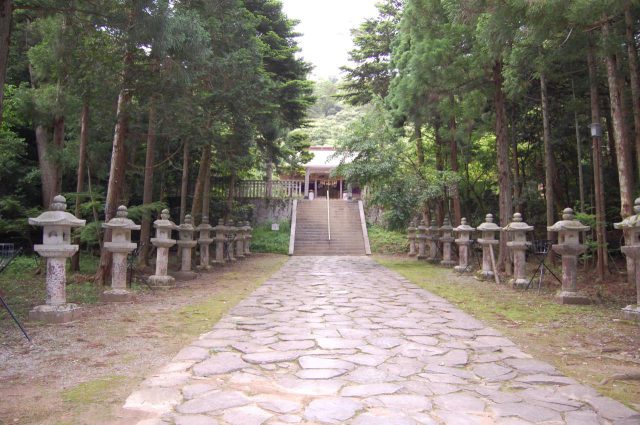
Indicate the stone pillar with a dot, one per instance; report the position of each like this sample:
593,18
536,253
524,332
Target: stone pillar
230,236
446,239
204,240
56,248
631,228
162,242
518,245
464,243
120,246
186,243
247,238
307,173
221,232
411,235
422,238
569,247
239,244
432,240
488,240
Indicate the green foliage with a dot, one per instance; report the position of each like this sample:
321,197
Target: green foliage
266,240
386,241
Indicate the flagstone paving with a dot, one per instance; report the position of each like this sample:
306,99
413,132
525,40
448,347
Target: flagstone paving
332,340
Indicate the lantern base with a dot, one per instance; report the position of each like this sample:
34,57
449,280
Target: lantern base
461,269
162,282
448,263
572,298
181,275
55,313
632,312
117,296
520,283
204,268
484,275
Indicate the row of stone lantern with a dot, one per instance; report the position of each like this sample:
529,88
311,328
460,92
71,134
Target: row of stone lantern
56,247
568,246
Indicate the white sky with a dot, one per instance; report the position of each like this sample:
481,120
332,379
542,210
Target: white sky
325,26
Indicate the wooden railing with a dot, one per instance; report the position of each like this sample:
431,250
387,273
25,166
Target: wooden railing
278,189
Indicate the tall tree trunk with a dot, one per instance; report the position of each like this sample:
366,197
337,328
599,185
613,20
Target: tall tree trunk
502,148
578,150
184,187
439,213
82,165
196,207
601,250
517,179
549,160
147,191
58,142
417,133
623,147
634,77
116,179
118,160
6,10
48,169
455,193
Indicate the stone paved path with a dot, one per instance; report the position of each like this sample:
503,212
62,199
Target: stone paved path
331,340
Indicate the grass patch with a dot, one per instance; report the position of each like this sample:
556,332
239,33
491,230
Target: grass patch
386,241
95,391
581,341
22,284
268,241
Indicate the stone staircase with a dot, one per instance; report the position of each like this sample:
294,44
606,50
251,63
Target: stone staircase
312,237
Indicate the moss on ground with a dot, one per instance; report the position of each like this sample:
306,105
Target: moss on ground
94,391
587,343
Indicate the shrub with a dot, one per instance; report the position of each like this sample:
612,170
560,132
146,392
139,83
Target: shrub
267,240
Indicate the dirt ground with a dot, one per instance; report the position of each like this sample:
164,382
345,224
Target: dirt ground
82,372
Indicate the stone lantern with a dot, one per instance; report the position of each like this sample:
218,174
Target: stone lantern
247,238
221,232
631,248
56,248
488,241
569,247
446,239
186,244
411,235
163,242
518,245
422,238
239,240
204,240
432,240
464,243
120,246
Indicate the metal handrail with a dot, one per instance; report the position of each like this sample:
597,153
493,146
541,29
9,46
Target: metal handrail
328,217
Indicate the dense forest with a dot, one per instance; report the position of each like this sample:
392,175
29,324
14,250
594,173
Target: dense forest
455,108
483,106
141,102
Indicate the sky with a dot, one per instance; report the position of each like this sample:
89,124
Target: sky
325,26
